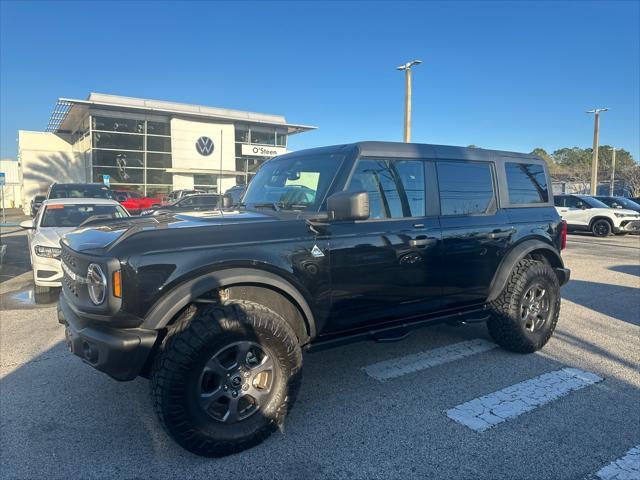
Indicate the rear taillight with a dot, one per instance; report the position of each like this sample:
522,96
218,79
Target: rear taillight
563,235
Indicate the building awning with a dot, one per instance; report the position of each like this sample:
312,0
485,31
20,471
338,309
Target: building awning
63,112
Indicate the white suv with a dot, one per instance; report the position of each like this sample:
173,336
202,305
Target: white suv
582,212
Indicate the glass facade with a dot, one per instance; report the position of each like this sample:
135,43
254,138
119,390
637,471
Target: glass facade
135,153
253,135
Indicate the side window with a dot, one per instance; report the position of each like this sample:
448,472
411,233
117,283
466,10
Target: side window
187,202
527,183
558,201
466,188
574,202
396,187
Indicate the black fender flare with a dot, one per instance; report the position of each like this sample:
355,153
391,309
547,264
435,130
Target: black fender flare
179,297
517,253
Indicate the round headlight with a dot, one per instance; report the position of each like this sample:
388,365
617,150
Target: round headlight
96,283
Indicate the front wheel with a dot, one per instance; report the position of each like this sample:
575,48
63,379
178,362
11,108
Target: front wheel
601,228
526,312
225,377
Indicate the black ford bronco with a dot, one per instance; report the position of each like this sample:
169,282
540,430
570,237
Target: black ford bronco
347,242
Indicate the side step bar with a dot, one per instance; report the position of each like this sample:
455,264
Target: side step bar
398,331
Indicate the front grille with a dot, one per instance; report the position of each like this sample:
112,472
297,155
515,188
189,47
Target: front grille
69,284
69,259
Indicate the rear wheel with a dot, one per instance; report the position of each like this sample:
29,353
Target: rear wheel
601,228
225,377
526,312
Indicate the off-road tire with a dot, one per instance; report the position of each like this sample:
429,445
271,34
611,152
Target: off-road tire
505,326
190,342
601,228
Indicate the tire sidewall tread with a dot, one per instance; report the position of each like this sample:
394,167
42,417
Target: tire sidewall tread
505,326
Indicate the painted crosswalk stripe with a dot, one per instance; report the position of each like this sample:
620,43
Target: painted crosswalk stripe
484,412
626,467
397,367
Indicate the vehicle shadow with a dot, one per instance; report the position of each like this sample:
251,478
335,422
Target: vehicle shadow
628,269
16,258
616,301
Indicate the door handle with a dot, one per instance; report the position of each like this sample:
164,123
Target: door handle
422,241
501,233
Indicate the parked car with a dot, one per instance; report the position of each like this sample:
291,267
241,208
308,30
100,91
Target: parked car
178,194
619,202
236,193
585,213
53,220
334,244
635,199
134,202
36,203
185,204
79,190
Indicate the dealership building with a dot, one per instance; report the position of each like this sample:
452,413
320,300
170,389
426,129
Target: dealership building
149,146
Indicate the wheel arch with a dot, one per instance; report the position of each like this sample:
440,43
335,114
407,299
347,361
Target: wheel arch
534,248
267,288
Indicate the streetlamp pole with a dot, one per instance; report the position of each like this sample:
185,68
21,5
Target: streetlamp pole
613,170
407,97
594,161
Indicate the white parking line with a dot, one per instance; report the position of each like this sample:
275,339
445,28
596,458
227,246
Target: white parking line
626,467
484,412
397,367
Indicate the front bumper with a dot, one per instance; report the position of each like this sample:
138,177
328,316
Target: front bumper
563,275
47,272
628,226
118,352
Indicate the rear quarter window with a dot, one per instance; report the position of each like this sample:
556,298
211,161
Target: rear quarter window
526,183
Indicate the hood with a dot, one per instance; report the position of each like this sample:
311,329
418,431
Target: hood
611,211
50,236
106,234
626,211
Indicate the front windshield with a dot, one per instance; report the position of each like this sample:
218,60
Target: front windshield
625,202
293,182
594,203
58,215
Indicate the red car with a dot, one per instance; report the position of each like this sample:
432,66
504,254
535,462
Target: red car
135,202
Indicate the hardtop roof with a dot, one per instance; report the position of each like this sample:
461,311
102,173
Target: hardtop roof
419,150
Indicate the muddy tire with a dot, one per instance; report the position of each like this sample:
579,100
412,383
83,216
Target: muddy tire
225,377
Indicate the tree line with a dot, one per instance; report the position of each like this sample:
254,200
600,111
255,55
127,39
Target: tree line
574,165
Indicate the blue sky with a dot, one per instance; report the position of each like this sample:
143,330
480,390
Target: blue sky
507,75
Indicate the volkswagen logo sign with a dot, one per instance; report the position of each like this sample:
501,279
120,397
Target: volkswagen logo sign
204,146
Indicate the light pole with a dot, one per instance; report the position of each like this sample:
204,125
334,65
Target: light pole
613,170
594,161
407,97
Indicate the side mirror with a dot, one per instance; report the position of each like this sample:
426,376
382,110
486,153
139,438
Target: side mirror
227,201
28,224
345,206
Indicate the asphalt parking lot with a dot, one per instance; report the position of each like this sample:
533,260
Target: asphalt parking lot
60,418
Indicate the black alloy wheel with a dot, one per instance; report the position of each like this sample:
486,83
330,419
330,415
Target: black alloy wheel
237,381
601,228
